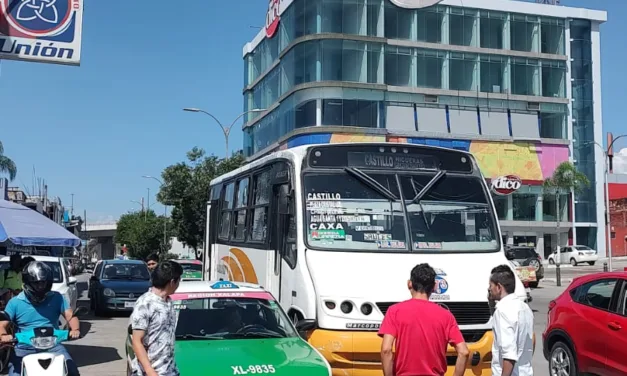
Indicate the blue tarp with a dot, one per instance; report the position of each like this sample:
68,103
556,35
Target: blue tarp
23,226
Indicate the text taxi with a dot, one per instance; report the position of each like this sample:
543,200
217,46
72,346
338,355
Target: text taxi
228,329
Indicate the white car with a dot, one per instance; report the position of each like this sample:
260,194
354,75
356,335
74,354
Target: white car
575,254
63,282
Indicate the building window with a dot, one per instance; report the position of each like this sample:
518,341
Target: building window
587,236
501,204
493,73
462,26
524,206
525,76
399,22
430,24
305,114
430,66
523,32
375,63
375,18
549,208
552,36
355,113
344,60
399,66
492,27
553,79
462,71
553,125
344,16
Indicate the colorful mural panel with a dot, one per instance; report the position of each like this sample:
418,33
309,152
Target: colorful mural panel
530,161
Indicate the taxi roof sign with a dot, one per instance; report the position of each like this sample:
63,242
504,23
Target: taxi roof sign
223,285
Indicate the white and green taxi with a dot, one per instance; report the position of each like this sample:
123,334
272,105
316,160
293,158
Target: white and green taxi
228,328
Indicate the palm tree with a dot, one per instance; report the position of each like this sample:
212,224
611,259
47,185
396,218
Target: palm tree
566,179
7,165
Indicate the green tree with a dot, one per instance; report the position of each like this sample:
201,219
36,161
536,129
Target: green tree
7,165
142,232
186,188
565,179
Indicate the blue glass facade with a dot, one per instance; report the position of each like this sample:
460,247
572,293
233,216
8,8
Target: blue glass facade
583,127
345,62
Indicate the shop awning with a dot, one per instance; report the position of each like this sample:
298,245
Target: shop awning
26,227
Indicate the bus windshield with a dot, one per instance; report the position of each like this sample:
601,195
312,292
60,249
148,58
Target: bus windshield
365,211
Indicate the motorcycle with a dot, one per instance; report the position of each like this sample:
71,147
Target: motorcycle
43,363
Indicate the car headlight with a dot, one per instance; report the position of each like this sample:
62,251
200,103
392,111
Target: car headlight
108,292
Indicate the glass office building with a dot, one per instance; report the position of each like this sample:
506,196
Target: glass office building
515,83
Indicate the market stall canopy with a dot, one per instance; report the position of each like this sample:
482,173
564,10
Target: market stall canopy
23,226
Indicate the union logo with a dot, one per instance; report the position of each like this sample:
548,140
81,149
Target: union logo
37,18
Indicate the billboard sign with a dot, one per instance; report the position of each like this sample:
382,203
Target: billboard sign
44,31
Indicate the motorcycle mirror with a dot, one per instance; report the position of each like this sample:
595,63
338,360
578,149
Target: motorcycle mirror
79,311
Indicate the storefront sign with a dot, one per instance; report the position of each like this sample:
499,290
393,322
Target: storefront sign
506,185
273,17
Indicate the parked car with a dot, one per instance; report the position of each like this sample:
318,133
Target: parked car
63,282
575,254
527,256
115,285
586,330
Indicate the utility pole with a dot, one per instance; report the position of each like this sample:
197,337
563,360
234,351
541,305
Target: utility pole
72,207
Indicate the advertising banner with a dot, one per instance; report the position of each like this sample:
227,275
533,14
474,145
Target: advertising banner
44,31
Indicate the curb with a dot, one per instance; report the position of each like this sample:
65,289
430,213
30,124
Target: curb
561,266
554,280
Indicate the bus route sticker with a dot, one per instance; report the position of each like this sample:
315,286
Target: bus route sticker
369,228
374,237
328,235
394,244
428,245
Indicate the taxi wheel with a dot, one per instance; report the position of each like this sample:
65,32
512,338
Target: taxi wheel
562,361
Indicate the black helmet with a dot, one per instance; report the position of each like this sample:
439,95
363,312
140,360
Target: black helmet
37,278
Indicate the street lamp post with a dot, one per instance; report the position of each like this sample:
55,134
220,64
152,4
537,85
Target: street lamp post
225,130
608,227
165,211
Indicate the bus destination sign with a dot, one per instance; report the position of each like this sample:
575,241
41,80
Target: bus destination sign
392,161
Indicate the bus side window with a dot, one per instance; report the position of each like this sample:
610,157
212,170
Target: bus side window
227,205
288,246
262,191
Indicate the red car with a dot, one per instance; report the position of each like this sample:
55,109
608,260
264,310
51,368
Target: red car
586,328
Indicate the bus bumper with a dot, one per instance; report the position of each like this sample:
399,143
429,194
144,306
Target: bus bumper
358,353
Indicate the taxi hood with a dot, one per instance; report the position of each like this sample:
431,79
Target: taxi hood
278,356
383,277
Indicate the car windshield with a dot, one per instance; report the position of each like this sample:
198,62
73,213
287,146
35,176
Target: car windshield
126,271
57,275
187,267
364,212
231,318
523,253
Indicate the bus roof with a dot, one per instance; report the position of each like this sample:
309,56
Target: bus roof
299,152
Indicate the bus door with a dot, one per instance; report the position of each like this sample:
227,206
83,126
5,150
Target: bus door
209,248
282,211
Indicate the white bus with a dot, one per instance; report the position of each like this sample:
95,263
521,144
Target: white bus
333,231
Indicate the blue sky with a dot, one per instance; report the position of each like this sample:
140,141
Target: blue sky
94,130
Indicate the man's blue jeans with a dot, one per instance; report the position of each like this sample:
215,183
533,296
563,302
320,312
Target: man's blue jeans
15,363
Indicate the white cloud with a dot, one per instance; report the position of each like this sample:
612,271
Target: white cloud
620,162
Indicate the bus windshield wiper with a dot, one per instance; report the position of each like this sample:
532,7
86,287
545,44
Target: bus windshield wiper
427,187
371,183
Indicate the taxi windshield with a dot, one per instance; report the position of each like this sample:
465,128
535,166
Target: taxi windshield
231,318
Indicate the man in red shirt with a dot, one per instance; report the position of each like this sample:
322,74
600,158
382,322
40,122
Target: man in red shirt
421,330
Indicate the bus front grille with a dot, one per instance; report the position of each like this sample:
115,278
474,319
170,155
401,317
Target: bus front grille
466,313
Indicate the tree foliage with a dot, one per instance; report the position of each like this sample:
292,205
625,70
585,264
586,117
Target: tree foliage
186,188
7,165
142,232
566,178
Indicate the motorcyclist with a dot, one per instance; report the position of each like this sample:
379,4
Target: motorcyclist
35,307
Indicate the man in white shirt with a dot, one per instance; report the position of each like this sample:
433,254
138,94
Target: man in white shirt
512,325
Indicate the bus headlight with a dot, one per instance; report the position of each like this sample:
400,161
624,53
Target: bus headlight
366,309
346,307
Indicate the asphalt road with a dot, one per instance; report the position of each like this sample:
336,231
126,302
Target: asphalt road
101,351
